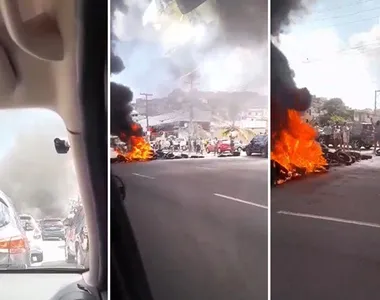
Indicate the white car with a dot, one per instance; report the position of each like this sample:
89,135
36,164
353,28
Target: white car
34,236
113,153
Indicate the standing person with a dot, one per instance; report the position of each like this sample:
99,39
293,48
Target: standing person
327,132
345,136
216,145
377,136
336,136
232,144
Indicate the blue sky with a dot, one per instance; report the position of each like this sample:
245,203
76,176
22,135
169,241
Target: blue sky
334,50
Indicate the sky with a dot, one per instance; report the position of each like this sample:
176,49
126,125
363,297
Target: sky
334,50
149,69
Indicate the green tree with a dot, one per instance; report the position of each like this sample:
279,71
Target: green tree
245,134
335,111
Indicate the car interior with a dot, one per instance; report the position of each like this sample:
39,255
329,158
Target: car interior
53,55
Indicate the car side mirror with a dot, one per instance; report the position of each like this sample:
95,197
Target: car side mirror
61,146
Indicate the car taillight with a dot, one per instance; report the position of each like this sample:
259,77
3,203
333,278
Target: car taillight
14,245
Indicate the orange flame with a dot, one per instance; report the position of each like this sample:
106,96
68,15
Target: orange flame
140,151
296,147
139,148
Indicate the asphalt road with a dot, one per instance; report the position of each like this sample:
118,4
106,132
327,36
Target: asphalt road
196,241
325,235
54,256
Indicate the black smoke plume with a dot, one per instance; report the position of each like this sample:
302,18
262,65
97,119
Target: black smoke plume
281,11
121,95
284,93
243,22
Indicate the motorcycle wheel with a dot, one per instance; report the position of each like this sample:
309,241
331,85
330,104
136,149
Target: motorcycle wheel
344,158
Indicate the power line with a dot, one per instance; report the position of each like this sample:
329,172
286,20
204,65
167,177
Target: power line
350,22
350,51
334,8
347,15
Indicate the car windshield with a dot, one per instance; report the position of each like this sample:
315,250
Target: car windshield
40,190
52,223
4,215
260,138
27,225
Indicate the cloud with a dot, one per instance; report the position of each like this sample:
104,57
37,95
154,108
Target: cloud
368,45
330,67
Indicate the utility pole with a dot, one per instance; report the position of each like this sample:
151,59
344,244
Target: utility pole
376,106
191,82
146,95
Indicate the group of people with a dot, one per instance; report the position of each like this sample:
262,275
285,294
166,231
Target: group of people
336,134
339,135
177,144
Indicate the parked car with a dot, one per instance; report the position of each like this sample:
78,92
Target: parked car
239,146
34,236
52,229
76,239
223,147
14,245
362,135
258,145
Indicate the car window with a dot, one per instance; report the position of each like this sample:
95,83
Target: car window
52,223
28,225
41,185
4,215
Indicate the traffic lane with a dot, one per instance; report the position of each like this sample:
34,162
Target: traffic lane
247,182
317,259
53,255
349,192
196,191
213,250
177,165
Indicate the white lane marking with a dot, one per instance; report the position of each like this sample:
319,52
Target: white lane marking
241,201
143,176
338,220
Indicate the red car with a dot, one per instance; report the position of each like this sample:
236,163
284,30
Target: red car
222,147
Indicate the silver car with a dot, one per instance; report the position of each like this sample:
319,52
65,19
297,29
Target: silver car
34,236
14,244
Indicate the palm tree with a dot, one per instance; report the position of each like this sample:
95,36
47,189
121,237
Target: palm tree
241,133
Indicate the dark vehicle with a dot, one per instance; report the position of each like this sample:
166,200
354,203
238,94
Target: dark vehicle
258,145
14,245
76,239
362,135
52,229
